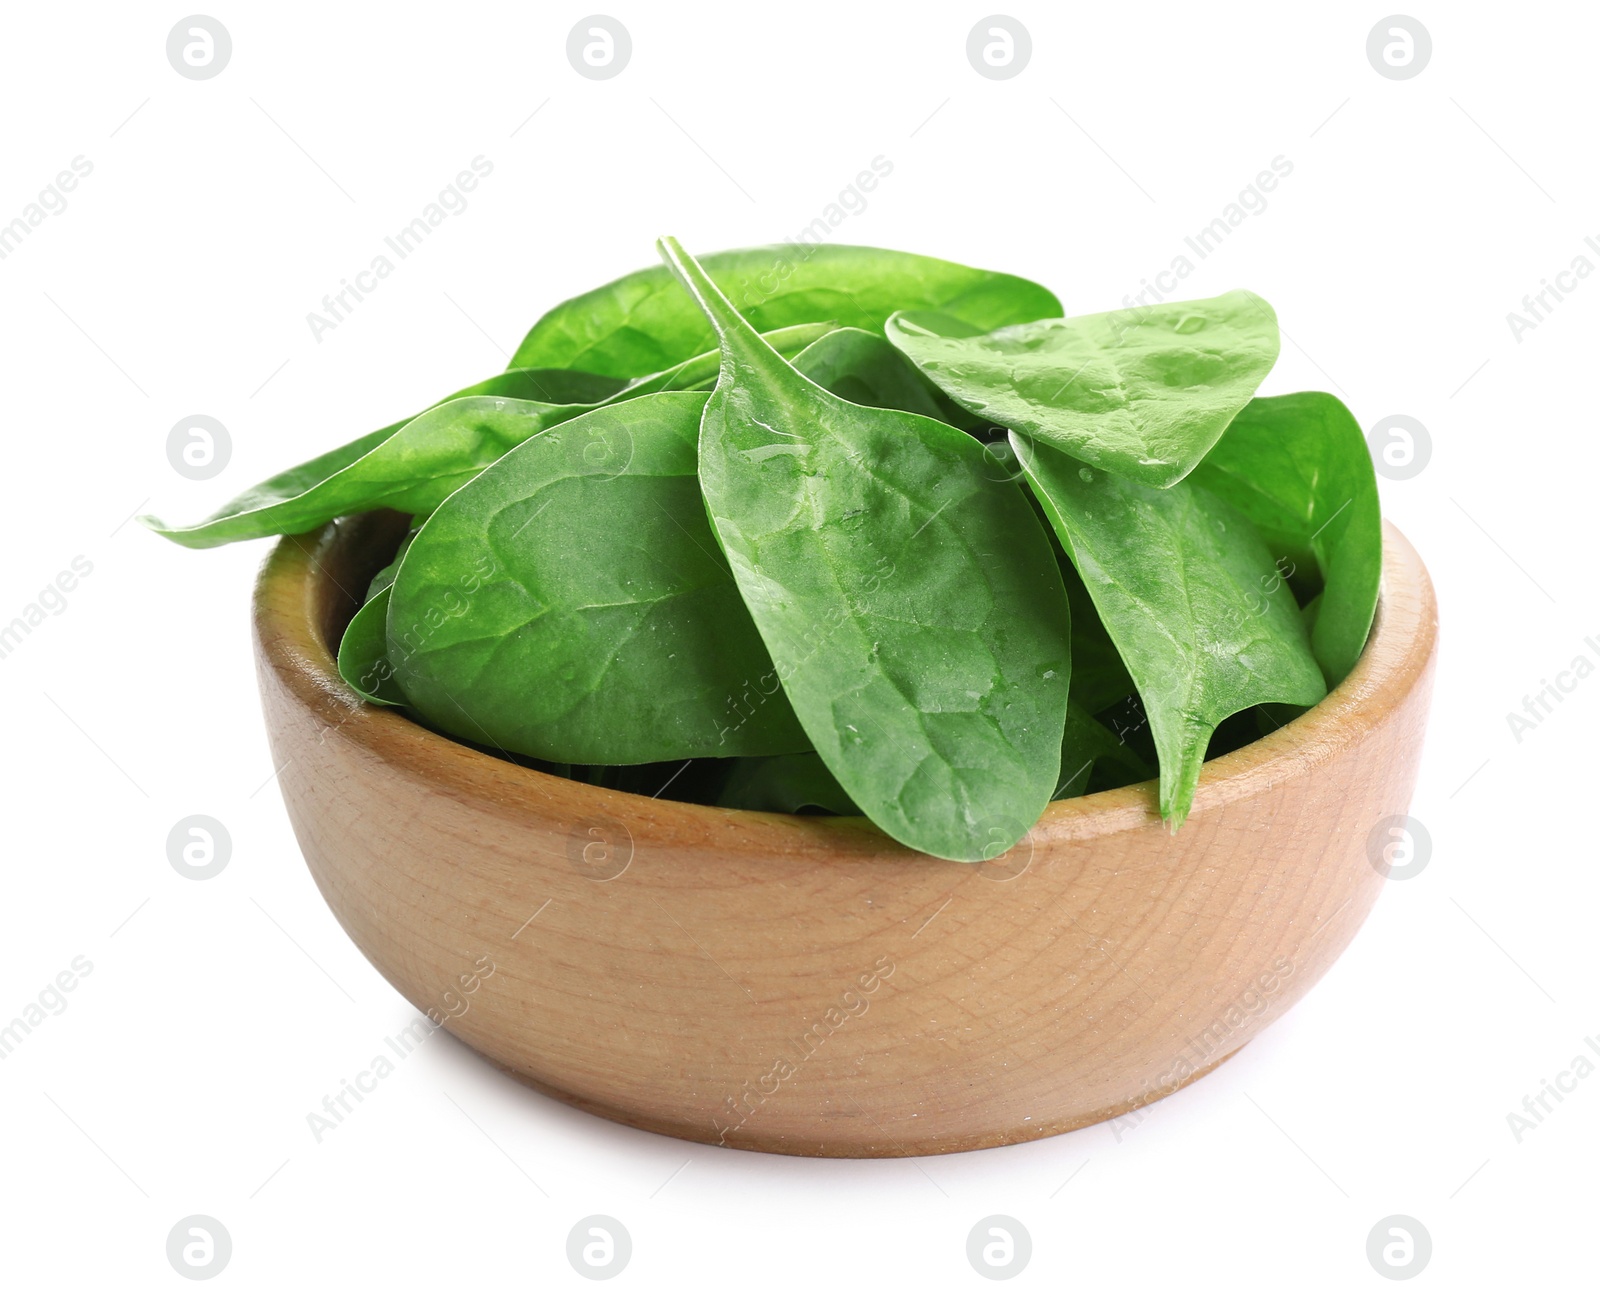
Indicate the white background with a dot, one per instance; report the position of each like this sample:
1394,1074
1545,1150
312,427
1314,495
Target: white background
178,280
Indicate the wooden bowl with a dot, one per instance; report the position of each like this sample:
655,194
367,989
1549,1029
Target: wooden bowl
805,984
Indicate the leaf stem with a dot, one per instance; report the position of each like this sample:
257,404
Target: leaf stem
736,334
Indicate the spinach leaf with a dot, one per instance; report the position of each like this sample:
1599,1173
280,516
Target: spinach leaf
385,577
552,386
412,465
787,784
863,368
700,371
1141,393
844,361
363,656
570,603
851,360
1190,595
1088,748
1298,467
910,601
364,653
1099,677
641,322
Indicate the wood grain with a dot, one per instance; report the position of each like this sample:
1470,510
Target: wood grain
806,985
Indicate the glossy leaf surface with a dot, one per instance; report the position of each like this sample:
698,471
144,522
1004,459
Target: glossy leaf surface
1191,597
1298,467
570,603
364,653
863,368
363,656
1144,393
910,601
412,465
642,322
411,468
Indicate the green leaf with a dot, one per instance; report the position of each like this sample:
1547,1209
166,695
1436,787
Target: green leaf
642,323
1088,746
363,656
848,359
571,603
1298,467
1190,595
552,386
1099,676
385,577
411,467
1143,393
863,368
700,371
911,602
787,784
414,464
364,653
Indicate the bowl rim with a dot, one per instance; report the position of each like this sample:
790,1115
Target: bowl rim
298,594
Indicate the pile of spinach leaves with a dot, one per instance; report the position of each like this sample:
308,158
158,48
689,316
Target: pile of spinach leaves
851,531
